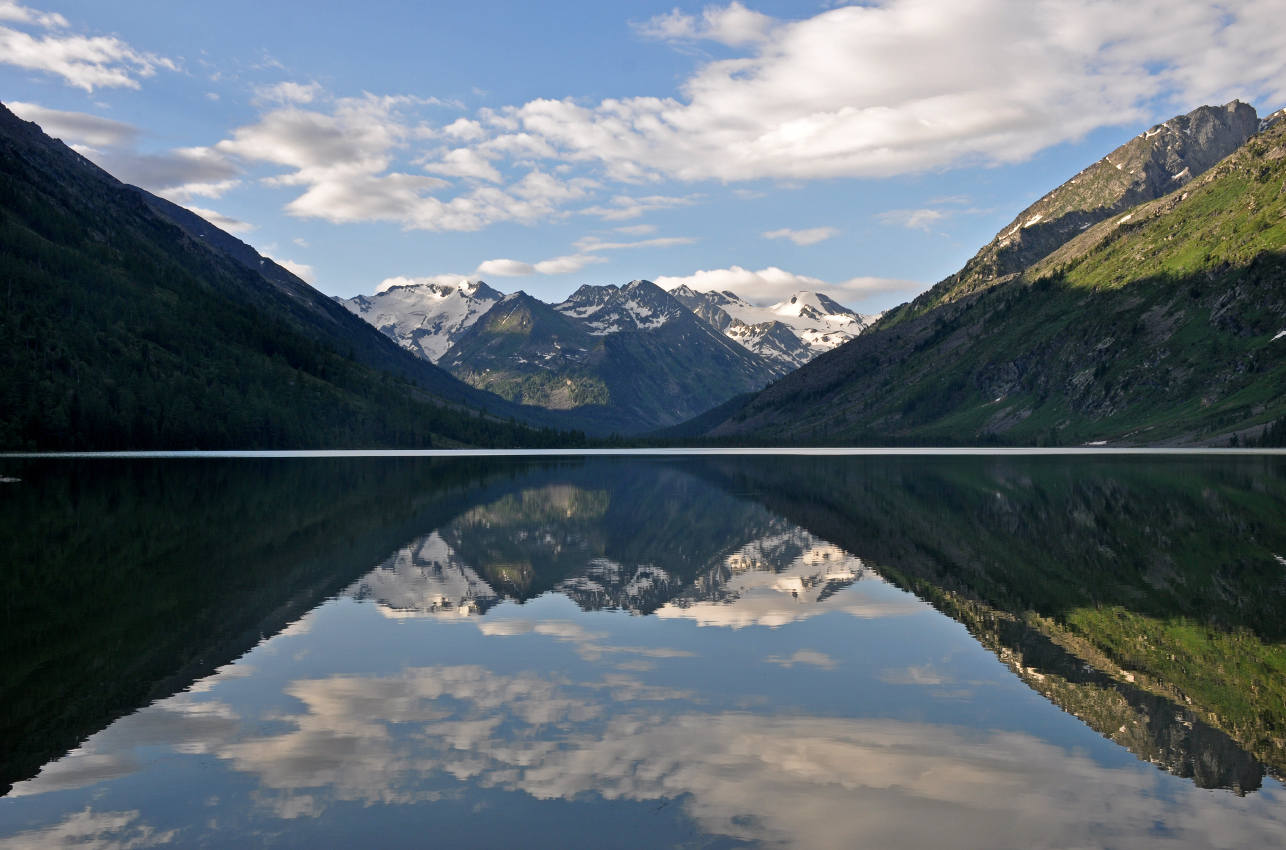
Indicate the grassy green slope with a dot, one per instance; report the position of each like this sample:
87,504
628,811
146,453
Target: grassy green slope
1155,326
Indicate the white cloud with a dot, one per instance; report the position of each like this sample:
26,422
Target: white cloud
917,219
593,243
637,229
465,129
12,11
566,265
733,25
302,271
344,157
810,236
76,128
179,174
624,207
924,218
288,92
505,268
464,162
905,86
85,62
224,222
518,268
772,283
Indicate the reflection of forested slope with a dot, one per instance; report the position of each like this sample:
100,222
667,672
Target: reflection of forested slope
125,581
1162,575
609,535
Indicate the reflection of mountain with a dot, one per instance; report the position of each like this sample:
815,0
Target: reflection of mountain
425,578
770,581
722,560
1159,577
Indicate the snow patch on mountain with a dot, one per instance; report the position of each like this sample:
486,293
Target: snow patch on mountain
790,332
425,318
638,305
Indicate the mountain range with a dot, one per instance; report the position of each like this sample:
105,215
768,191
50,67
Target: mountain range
619,358
1142,301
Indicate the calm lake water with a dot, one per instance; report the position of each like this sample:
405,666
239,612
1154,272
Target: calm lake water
685,651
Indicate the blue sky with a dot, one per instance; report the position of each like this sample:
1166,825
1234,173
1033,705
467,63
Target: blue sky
866,150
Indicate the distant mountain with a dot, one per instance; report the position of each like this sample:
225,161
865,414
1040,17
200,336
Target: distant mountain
425,318
131,323
628,359
789,333
558,357
1158,323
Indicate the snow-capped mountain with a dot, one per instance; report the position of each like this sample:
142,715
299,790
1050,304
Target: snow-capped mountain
424,579
788,333
626,358
630,358
425,318
637,306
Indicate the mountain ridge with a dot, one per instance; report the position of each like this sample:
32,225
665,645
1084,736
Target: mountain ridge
1152,326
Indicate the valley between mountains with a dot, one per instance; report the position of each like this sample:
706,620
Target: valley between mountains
1143,301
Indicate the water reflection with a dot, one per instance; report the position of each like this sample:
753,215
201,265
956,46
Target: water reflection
729,653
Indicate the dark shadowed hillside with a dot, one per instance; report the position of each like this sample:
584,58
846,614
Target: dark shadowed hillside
129,322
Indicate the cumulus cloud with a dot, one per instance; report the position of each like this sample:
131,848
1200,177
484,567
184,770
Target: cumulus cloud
84,62
463,162
345,155
517,268
810,236
303,271
905,86
733,25
772,283
179,174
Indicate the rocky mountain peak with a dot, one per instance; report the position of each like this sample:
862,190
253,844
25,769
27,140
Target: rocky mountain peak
1152,164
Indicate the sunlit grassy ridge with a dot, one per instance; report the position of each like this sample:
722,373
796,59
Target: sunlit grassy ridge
1156,326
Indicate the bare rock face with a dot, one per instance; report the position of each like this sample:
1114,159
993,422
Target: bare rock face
1152,164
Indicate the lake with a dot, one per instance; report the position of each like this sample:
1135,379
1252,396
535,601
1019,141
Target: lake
684,650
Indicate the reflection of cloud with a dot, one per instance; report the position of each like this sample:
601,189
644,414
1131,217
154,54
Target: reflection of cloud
810,657
924,674
588,644
797,781
92,830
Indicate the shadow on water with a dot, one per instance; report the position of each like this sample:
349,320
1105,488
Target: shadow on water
1143,596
